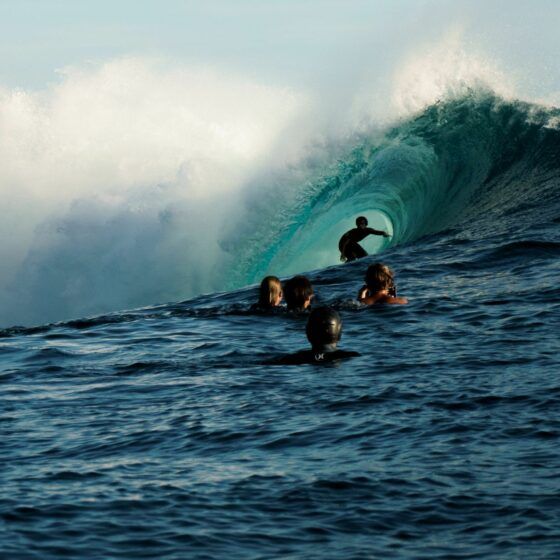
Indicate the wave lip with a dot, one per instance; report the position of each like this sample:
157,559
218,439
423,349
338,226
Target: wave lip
471,158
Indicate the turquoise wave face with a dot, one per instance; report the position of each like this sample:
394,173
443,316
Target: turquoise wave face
462,160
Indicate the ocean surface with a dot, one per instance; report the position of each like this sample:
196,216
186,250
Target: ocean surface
160,433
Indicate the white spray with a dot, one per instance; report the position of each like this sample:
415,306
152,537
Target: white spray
115,182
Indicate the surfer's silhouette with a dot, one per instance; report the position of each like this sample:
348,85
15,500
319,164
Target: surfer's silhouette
349,246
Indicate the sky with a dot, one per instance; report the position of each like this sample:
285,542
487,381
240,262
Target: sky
291,42
281,40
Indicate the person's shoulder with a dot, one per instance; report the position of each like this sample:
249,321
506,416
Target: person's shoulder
335,355
394,300
311,357
266,310
375,299
297,358
342,354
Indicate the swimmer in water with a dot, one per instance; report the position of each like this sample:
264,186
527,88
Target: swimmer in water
324,329
298,293
380,286
349,246
270,294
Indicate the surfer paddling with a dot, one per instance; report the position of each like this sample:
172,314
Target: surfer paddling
349,246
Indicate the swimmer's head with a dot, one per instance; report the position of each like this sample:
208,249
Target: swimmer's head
379,277
324,328
361,221
298,292
270,292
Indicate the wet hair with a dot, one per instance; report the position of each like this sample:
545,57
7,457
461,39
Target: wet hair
361,219
269,291
297,291
380,277
324,326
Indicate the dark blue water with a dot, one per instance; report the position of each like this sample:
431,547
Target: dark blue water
159,433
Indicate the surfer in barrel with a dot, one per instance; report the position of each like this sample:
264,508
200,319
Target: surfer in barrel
349,244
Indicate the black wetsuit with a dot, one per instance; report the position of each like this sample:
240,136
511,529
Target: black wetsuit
349,246
317,356
266,309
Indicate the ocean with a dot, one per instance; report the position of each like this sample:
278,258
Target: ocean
159,432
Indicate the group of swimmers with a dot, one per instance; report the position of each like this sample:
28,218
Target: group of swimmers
324,325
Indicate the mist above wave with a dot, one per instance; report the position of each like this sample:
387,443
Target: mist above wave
139,181
116,181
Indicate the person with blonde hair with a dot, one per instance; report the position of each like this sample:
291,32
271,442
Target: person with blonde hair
379,286
270,293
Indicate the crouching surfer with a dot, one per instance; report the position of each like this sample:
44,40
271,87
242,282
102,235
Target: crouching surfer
349,246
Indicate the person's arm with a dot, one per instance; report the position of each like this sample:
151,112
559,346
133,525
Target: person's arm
380,297
378,232
367,298
370,300
362,294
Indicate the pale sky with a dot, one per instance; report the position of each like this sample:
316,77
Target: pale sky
284,42
288,39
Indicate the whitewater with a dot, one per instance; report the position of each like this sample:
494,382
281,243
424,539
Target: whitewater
139,418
